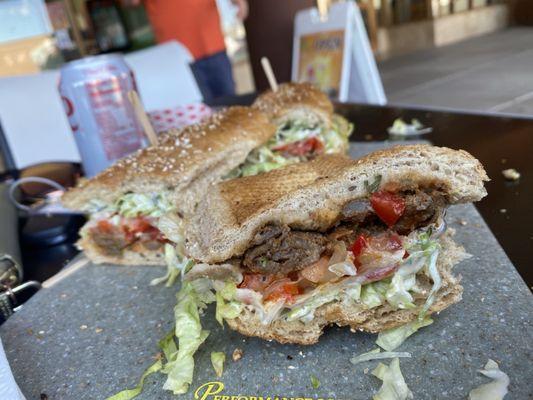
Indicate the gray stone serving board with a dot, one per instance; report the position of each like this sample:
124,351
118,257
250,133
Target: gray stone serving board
93,334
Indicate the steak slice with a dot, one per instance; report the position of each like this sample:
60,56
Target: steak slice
421,208
290,251
111,243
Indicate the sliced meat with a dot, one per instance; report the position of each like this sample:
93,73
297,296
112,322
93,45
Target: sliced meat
291,251
356,210
420,209
268,232
111,242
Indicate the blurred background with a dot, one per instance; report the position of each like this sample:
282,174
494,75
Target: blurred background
38,35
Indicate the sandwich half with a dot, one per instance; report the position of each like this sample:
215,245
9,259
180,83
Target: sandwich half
136,205
306,127
359,243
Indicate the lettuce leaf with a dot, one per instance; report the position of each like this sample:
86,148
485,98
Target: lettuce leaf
188,330
227,306
217,360
495,390
376,354
394,386
393,338
131,393
176,265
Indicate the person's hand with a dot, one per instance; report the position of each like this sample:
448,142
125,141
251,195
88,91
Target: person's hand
242,8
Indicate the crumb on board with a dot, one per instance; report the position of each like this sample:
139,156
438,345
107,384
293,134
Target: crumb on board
237,354
83,327
511,174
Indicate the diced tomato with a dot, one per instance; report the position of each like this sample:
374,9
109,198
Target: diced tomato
360,243
302,147
105,226
135,227
256,282
282,289
388,206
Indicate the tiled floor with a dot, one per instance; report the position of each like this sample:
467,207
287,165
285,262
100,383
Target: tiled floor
492,73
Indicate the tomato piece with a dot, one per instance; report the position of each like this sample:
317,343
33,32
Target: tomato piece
133,228
256,282
389,207
360,243
282,289
302,147
105,226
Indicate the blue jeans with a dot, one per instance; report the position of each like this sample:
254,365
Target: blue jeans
213,75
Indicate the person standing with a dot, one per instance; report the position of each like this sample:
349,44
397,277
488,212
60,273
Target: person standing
196,25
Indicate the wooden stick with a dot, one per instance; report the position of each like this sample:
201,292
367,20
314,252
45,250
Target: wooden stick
269,74
323,8
142,117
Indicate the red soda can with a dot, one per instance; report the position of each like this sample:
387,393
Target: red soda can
94,91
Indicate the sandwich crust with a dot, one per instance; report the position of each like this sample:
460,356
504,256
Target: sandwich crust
295,100
311,196
359,318
185,161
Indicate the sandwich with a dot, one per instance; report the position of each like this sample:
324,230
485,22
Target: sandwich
359,243
306,127
135,206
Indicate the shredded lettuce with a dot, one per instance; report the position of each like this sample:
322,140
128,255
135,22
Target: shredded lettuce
376,354
265,158
131,393
315,382
136,204
393,338
180,365
172,228
394,386
217,360
176,265
227,307
495,390
373,294
433,273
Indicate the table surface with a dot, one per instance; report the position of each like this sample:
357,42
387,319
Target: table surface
94,332
498,141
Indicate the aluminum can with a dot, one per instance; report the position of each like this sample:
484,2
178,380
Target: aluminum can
94,91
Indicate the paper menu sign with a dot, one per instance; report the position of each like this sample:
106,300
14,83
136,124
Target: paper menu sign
334,53
321,60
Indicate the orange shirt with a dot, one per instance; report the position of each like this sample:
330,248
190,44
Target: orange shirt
194,23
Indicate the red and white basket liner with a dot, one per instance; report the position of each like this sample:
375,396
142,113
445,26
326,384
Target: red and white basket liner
178,117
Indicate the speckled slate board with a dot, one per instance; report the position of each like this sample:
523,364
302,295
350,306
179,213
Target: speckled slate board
124,317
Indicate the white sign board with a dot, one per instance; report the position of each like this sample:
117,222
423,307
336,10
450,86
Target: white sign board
334,53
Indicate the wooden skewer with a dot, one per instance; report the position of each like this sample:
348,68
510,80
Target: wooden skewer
269,74
323,7
149,131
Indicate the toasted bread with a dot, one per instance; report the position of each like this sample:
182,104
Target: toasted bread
185,162
296,101
310,196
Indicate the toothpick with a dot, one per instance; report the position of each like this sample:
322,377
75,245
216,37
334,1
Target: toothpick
323,8
135,101
269,74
